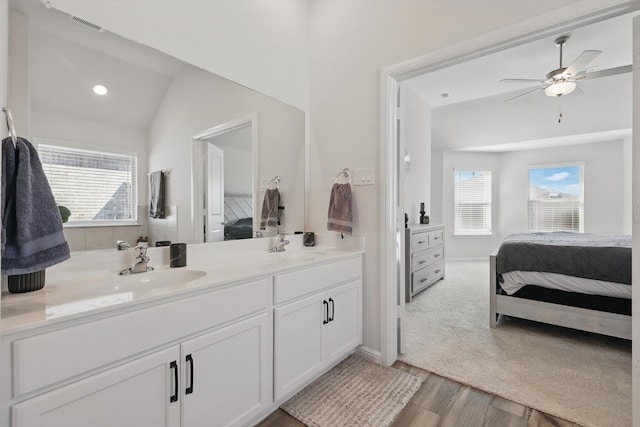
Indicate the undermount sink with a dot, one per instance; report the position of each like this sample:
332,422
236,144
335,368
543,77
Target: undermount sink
152,279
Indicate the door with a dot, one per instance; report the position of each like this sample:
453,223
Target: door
343,331
144,392
215,194
227,376
298,342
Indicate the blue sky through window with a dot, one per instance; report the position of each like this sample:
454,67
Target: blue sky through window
564,179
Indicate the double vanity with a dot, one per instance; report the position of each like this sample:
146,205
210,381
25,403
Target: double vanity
222,341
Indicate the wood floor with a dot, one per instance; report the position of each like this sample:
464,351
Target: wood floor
444,403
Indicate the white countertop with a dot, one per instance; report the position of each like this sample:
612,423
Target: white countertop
89,283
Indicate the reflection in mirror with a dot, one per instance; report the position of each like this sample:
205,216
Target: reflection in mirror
155,109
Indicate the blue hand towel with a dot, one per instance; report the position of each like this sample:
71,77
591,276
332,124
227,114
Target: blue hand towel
31,224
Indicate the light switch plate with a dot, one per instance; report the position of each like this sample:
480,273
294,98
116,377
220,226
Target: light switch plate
363,176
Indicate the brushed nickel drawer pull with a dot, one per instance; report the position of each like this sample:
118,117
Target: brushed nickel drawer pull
437,271
421,262
422,241
423,280
436,256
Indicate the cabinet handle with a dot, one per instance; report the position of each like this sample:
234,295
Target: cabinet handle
422,241
423,280
437,271
326,312
174,365
436,256
421,262
333,309
189,360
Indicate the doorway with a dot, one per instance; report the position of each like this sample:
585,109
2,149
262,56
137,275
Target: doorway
392,221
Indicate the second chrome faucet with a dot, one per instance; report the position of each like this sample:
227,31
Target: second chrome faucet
139,263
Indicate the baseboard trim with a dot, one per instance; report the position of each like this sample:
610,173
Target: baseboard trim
370,354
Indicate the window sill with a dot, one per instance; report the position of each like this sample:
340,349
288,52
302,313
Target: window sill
101,224
473,235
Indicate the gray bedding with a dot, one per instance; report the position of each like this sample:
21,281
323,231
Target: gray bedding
591,256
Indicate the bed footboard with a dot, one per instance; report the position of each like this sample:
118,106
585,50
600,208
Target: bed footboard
493,287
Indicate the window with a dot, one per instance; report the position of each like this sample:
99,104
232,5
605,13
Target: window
556,200
472,202
95,186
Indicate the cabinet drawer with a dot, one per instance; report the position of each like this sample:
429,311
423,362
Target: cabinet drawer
425,258
420,241
55,356
435,237
304,282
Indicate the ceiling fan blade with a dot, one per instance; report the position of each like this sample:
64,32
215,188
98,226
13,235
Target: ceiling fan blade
581,62
527,93
608,72
521,81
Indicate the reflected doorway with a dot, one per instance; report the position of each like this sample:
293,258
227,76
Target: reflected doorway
226,158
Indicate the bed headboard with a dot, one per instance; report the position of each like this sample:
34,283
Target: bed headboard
237,206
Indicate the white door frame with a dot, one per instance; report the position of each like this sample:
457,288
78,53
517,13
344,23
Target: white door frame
549,24
198,156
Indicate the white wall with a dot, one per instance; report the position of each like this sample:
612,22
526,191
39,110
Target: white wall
238,171
350,42
606,171
190,107
415,135
261,44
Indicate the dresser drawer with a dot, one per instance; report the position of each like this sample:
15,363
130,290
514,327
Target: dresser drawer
435,237
427,276
420,242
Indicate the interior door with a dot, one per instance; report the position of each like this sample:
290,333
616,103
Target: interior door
215,194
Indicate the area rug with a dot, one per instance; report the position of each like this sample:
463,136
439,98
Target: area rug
356,392
581,377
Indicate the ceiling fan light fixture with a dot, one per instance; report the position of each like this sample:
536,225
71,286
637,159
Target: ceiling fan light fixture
560,88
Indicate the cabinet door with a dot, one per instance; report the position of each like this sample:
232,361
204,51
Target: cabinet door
227,374
344,331
297,342
139,393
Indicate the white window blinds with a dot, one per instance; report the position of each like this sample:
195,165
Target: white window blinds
556,201
94,186
472,202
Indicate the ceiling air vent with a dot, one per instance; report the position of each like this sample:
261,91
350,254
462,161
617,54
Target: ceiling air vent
85,23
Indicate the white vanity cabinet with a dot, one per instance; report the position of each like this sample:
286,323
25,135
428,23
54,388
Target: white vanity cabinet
177,363
139,393
317,321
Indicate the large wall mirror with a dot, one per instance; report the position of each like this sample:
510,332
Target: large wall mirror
166,115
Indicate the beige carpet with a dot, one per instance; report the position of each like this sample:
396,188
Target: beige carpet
582,377
355,393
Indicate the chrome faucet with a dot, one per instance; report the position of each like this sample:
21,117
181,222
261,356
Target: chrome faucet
280,244
121,245
139,263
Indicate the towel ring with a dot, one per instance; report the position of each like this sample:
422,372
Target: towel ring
275,181
10,126
345,173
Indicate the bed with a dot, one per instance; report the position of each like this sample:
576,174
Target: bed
576,280
238,216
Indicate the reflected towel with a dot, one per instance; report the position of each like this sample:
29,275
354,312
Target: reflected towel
31,224
156,194
269,215
340,215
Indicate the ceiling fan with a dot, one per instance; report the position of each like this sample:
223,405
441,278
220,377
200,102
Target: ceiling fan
562,81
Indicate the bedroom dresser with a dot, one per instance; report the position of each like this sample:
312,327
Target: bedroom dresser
424,257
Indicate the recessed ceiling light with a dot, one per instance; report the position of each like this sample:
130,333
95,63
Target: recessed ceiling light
100,90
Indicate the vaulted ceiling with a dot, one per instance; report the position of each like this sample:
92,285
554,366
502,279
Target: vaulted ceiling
468,100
